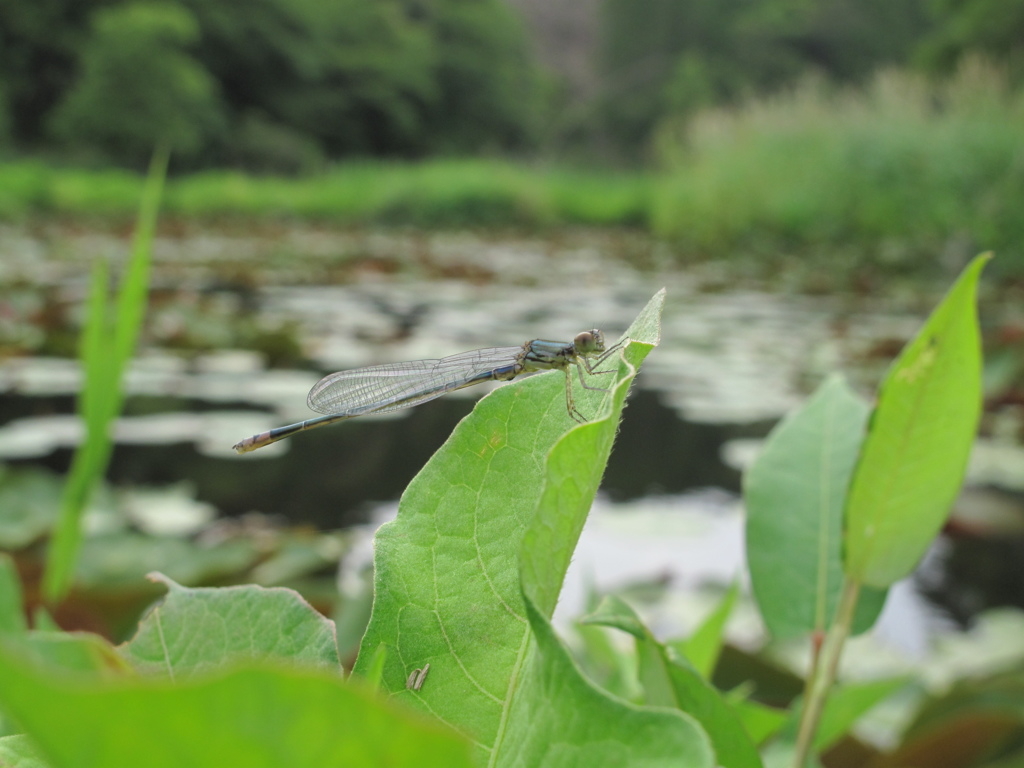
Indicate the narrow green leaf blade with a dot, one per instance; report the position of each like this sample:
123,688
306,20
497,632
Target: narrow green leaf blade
794,494
108,343
197,630
703,647
760,721
12,608
95,355
915,455
848,703
132,297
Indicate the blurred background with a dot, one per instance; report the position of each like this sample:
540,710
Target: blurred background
357,182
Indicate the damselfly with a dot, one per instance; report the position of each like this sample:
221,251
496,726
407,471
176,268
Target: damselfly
393,386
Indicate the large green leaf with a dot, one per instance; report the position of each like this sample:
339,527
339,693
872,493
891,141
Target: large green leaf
258,716
196,630
918,443
794,494
448,590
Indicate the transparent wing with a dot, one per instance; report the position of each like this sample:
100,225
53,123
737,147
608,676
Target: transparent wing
393,386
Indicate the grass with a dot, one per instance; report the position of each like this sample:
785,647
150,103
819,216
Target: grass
108,342
431,194
905,168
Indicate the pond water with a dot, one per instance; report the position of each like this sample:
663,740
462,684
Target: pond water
738,351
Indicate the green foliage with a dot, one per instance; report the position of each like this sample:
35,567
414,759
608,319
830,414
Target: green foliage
139,87
108,342
12,617
39,47
670,681
468,573
282,85
467,577
261,716
438,193
481,107
702,648
914,458
351,76
897,171
271,84
662,58
994,28
195,630
794,494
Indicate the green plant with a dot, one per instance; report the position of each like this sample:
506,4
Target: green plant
139,86
108,343
902,167
466,580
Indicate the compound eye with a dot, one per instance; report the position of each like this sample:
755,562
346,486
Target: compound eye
588,342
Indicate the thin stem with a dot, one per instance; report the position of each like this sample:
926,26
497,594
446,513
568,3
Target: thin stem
824,673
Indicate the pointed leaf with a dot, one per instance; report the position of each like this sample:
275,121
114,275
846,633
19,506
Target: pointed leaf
447,581
913,461
613,611
795,492
703,647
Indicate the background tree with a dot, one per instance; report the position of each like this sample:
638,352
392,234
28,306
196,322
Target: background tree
994,28
665,57
139,86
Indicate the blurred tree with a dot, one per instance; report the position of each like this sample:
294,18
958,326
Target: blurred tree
992,28
390,77
353,76
5,116
275,84
667,57
39,47
139,86
489,87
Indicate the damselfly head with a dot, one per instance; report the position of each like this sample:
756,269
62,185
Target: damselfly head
589,342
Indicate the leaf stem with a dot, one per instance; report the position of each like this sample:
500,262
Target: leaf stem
824,671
